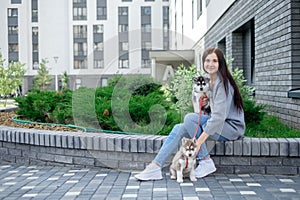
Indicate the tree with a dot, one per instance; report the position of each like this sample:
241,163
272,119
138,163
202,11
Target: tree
42,79
64,80
11,77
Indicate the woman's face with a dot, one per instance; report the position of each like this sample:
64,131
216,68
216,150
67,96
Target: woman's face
211,64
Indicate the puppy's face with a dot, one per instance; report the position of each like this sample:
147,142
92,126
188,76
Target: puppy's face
201,84
188,147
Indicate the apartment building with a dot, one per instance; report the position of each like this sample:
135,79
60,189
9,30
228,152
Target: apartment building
262,36
91,40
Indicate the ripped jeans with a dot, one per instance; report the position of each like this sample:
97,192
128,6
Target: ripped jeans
185,129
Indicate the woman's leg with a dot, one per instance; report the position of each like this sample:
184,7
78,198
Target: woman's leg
171,144
153,170
191,122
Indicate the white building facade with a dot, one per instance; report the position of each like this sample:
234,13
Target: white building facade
91,40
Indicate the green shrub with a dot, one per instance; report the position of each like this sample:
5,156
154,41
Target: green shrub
46,106
254,113
179,90
134,104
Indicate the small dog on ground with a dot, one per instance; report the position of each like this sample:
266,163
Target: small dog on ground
184,162
200,86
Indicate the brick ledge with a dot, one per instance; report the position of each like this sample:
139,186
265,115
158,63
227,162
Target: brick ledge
30,146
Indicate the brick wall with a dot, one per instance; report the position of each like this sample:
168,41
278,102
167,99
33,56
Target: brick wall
276,50
134,152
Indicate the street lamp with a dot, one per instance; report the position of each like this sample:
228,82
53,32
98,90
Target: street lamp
56,76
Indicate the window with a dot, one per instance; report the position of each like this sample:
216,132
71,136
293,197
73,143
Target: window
13,48
35,47
98,28
79,10
16,1
101,9
12,12
146,45
146,28
79,13
123,64
146,10
80,64
77,83
35,31
123,11
80,31
124,46
35,65
104,82
98,64
199,8
193,17
123,28
13,30
80,49
146,63
34,10
98,46
165,27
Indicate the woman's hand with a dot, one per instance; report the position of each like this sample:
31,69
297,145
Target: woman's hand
204,99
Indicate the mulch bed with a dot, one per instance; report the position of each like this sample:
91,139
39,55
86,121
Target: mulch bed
6,120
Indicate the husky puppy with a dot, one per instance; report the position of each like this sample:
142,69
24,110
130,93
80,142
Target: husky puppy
200,86
184,162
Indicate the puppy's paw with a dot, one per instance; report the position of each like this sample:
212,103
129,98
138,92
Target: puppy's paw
193,179
173,177
179,180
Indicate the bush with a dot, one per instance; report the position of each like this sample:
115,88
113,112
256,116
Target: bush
179,90
253,113
135,104
46,106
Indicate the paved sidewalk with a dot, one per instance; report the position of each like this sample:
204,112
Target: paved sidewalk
47,182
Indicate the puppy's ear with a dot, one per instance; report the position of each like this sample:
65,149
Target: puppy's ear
206,79
195,79
194,140
183,140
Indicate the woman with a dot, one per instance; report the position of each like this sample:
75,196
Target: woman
226,121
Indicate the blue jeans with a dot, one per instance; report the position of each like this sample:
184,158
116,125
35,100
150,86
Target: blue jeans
185,129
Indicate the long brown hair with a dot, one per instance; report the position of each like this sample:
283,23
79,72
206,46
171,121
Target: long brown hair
225,75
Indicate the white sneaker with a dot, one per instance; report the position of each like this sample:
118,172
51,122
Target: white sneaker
205,168
152,172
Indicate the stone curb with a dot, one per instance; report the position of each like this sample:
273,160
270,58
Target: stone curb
31,146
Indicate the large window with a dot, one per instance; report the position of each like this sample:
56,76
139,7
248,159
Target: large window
80,48
79,10
34,10
123,25
80,31
98,46
35,48
101,9
13,41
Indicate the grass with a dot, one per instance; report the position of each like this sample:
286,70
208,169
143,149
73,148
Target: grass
271,127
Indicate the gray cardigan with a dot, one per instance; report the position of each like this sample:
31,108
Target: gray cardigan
225,119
